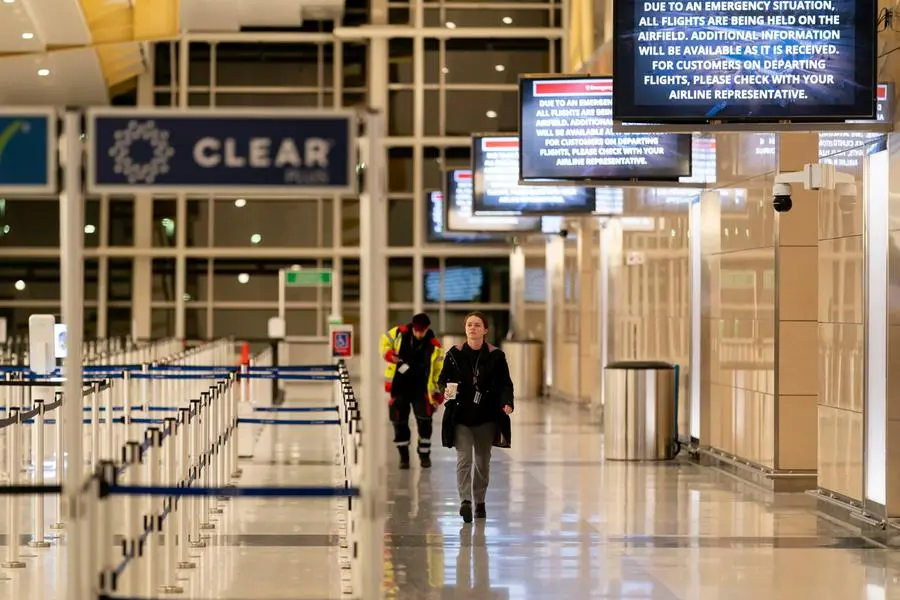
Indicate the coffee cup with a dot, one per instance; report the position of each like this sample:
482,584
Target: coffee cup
450,392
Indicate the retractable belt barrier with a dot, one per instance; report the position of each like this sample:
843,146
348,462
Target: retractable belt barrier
172,473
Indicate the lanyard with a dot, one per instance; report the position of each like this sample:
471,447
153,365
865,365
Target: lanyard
475,370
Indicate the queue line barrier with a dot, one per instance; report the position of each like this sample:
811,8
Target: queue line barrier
22,453
175,476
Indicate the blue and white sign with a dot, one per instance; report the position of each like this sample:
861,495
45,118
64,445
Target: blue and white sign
309,153
28,151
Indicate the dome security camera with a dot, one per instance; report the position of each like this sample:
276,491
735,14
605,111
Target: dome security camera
781,200
814,176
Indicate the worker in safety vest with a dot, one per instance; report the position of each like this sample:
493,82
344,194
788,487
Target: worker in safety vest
415,359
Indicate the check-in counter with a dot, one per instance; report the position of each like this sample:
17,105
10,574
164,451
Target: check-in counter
526,366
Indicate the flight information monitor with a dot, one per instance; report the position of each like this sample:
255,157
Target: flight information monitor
744,60
495,160
436,232
460,214
566,131
843,149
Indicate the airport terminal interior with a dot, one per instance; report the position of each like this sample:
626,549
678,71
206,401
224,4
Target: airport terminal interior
222,220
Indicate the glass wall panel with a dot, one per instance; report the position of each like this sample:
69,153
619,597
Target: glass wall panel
250,222
121,222
164,279
91,223
243,280
29,279
400,222
121,280
29,223
481,17
400,279
162,323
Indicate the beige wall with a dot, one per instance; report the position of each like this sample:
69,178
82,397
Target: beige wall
759,384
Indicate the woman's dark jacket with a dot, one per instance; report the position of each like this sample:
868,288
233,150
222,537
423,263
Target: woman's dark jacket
460,366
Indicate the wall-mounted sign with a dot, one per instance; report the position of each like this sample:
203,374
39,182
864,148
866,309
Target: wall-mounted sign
162,150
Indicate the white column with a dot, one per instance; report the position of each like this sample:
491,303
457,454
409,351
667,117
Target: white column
142,273
72,296
517,293
142,276
373,322
103,270
555,277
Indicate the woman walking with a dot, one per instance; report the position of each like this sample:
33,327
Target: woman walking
479,393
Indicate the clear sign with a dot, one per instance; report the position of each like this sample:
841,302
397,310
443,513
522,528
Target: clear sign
162,150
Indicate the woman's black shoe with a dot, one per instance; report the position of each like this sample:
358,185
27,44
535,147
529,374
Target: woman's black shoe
425,460
465,511
480,511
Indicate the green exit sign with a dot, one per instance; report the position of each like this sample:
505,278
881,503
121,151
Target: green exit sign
308,278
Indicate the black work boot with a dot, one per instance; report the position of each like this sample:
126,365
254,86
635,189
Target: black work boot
425,459
465,511
480,511
404,457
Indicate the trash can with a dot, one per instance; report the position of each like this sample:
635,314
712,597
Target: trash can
640,410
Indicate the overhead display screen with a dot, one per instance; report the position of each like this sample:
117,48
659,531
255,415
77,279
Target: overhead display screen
434,225
496,180
843,149
565,125
460,215
744,60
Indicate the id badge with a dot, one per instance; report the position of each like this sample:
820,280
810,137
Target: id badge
477,398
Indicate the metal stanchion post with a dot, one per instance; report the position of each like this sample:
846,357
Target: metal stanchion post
219,432
170,584
60,463
151,514
95,424
14,460
37,434
182,480
106,476
108,451
201,459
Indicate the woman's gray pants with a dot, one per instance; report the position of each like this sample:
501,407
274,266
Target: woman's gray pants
473,445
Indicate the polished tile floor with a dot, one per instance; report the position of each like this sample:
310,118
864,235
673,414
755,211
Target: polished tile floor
561,524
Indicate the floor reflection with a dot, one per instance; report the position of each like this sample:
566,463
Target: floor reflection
562,523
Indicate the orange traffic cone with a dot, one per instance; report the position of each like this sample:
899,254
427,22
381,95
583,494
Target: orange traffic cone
245,353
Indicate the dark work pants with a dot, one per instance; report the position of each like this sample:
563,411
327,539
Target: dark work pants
400,409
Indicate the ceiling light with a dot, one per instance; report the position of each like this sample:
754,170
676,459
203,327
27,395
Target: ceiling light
8,1
491,114
507,20
27,36
240,203
243,278
90,229
19,285
499,68
450,25
255,238
43,72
